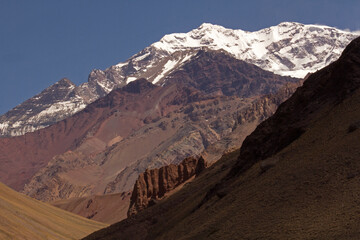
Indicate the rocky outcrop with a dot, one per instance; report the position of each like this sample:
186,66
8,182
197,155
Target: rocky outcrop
152,185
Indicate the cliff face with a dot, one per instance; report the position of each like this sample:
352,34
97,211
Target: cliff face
152,185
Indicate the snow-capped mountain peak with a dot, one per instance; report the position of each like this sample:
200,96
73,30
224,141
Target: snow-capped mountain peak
289,48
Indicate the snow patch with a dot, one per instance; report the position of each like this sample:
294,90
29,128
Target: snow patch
119,65
130,79
107,89
167,68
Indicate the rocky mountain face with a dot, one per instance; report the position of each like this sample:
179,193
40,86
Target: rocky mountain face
292,49
248,119
96,150
152,185
170,123
216,73
51,105
301,162
39,147
57,102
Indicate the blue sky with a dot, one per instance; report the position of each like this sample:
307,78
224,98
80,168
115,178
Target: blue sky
42,41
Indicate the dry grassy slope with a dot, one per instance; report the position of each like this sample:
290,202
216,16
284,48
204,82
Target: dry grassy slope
22,217
312,192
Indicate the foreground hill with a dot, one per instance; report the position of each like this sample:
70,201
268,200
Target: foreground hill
295,177
22,217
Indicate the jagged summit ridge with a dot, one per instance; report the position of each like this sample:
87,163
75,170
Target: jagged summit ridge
287,49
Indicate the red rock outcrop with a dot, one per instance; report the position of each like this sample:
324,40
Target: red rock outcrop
152,185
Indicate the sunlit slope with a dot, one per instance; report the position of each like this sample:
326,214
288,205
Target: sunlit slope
22,217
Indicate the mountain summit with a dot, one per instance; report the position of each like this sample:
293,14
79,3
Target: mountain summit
289,48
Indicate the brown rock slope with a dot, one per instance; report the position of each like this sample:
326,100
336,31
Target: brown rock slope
300,180
37,148
216,73
110,208
113,142
22,217
145,126
154,184
247,119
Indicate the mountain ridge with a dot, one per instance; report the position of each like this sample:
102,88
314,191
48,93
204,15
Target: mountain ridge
286,49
